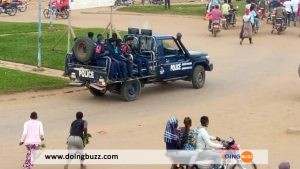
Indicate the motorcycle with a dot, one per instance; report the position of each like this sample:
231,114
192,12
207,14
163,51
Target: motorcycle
215,28
10,10
230,146
64,13
21,5
124,2
279,25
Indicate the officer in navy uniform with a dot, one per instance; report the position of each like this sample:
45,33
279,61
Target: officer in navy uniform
98,60
140,61
115,55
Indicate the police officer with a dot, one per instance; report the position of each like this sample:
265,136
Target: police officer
140,61
99,60
115,55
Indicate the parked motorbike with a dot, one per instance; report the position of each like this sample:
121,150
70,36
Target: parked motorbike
64,13
124,2
10,10
21,5
279,25
215,28
230,147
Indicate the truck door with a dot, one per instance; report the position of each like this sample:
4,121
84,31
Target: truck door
173,61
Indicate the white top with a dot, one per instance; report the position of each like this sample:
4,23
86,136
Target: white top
204,140
248,6
288,6
295,5
32,132
246,18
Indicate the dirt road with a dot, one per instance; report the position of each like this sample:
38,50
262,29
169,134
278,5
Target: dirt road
252,95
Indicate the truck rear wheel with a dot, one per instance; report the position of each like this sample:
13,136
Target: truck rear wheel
96,92
131,90
198,78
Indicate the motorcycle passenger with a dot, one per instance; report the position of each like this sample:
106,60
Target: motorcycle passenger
204,141
140,61
225,11
215,15
172,142
115,55
187,136
280,12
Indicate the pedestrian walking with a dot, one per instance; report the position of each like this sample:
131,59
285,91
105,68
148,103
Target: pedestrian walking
246,31
75,142
33,135
167,4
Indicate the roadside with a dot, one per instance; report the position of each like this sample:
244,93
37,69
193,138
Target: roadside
31,69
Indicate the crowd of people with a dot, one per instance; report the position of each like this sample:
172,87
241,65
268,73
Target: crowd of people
123,56
254,12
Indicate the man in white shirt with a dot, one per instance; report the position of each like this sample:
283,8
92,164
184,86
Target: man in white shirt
288,8
204,143
295,10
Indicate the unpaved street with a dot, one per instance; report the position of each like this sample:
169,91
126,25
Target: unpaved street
252,95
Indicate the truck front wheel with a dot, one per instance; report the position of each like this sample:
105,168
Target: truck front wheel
131,90
198,78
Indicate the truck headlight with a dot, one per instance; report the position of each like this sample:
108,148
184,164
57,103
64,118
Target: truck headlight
101,82
207,57
73,75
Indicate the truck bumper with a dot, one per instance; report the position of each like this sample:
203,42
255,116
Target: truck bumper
210,67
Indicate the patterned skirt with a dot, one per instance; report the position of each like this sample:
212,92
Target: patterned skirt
31,150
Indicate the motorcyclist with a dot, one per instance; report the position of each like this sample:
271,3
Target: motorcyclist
204,142
280,12
4,4
215,15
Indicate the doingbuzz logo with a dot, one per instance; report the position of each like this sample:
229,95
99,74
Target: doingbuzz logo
246,156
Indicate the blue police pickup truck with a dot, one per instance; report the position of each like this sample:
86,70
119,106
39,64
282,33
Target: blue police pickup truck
168,59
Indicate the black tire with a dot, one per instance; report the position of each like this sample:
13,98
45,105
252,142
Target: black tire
96,92
214,33
23,8
12,11
245,166
84,49
131,90
46,13
198,77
